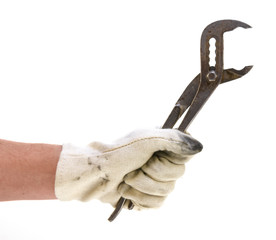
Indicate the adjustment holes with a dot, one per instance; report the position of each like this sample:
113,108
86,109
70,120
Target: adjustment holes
212,52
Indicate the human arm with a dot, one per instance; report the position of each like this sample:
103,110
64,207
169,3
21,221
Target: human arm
27,170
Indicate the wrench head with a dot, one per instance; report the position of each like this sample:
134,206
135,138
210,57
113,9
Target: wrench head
216,30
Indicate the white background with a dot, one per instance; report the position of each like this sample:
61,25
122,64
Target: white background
78,71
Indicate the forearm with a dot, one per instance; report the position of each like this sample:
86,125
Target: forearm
27,170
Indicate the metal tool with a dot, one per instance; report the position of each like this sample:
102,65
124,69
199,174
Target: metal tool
203,85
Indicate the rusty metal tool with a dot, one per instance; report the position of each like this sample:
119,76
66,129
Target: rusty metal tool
202,86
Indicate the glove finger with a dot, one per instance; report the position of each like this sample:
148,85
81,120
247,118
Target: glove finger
161,169
175,158
140,199
145,184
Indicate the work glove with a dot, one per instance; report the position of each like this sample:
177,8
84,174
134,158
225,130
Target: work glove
141,167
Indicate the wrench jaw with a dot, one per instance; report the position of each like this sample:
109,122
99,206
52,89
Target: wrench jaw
222,26
233,74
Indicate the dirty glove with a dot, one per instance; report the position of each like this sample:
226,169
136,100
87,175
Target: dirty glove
141,167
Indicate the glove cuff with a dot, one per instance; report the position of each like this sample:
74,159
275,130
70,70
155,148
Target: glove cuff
76,170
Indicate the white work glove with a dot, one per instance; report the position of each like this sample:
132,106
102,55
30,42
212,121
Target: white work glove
141,167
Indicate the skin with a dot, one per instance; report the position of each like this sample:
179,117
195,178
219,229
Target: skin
27,170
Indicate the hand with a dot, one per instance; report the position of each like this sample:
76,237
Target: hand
141,167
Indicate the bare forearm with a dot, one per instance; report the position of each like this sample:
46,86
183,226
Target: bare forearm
27,170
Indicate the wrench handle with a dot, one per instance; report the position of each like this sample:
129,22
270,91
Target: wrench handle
119,207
